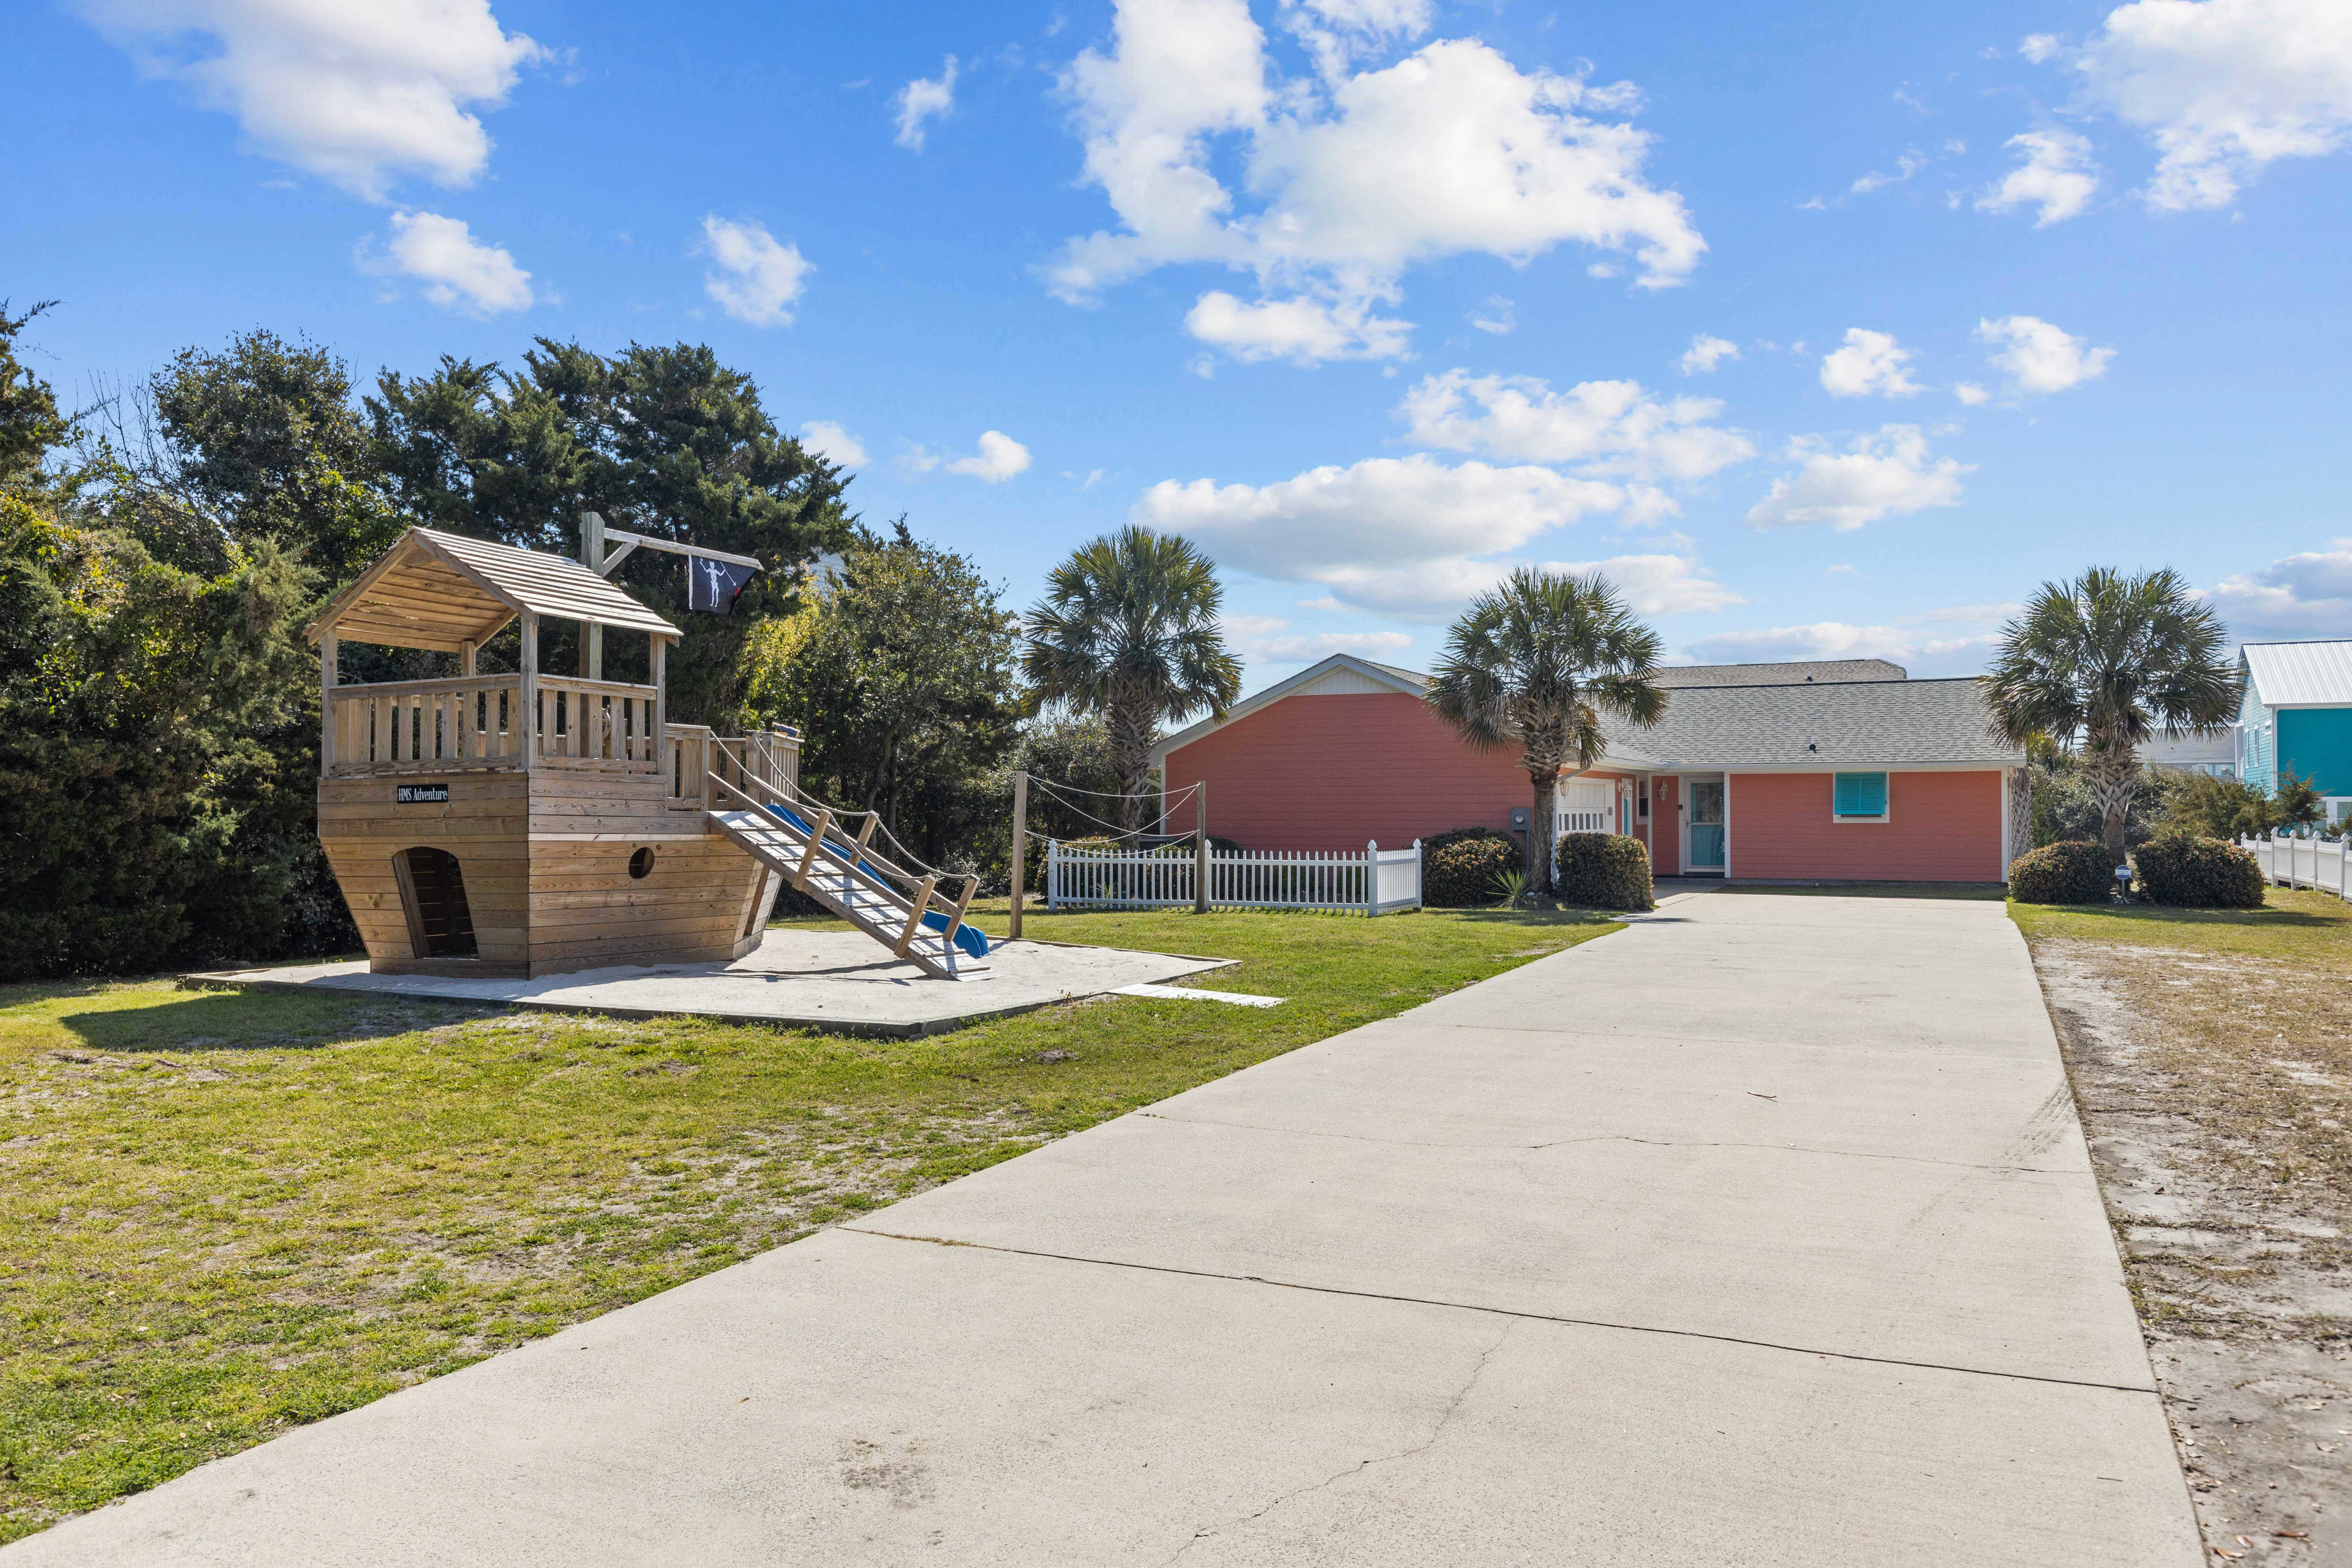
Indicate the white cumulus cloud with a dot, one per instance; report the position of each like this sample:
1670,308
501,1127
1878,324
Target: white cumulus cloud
1607,428
1268,639
1919,644
757,277
1383,533
2055,172
2221,87
1339,32
1303,330
2040,357
999,458
1498,321
1870,363
457,270
1705,352
1891,473
1353,176
357,94
2303,595
1661,585
828,440
922,100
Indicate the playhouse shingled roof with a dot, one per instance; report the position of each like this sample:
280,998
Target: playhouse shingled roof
440,591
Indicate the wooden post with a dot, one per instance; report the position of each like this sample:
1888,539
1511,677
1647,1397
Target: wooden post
328,660
592,635
1200,847
468,659
527,723
1019,845
657,662
915,915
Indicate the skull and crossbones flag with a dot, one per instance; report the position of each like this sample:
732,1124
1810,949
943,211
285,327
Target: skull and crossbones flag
713,585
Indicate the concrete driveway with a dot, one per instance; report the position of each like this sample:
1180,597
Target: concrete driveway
1762,1232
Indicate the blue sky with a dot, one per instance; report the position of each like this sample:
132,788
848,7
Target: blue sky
1824,332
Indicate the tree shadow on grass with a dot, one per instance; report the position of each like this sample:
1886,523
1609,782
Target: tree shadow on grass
248,1021
2165,915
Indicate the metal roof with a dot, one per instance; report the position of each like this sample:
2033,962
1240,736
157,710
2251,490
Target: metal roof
435,590
2301,674
1827,723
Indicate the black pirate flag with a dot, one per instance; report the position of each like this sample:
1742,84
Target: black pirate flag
713,585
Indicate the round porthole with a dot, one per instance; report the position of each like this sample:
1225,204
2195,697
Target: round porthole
641,864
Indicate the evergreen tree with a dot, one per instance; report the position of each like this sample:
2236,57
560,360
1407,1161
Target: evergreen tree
662,441
901,684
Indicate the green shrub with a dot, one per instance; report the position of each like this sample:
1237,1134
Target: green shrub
2199,873
1453,835
1463,875
1604,871
2070,871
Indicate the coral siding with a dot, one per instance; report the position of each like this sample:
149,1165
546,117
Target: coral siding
1332,772
1942,827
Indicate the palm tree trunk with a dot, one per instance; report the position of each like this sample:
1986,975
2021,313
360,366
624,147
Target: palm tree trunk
1540,846
1132,730
2113,772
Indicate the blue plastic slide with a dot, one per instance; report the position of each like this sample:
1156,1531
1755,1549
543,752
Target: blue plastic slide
970,938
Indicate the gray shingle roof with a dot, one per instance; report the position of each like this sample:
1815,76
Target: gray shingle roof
1816,671
1871,722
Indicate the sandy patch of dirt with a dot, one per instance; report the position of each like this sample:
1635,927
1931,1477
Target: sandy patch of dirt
2216,1092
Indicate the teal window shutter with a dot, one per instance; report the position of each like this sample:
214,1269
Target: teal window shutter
1859,794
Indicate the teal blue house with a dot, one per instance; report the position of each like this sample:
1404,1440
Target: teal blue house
2296,716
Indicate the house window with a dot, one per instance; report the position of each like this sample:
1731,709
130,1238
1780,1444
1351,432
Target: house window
1642,800
1858,797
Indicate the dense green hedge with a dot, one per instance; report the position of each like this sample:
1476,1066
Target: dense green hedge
1464,873
1604,871
2197,873
2070,871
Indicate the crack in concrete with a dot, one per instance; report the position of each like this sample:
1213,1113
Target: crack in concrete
1514,1312
1444,1419
1610,1138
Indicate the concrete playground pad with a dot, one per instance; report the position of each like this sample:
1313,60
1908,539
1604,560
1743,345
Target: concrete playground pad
837,980
1759,1232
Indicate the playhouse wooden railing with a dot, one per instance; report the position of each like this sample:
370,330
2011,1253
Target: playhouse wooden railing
427,726
475,721
601,724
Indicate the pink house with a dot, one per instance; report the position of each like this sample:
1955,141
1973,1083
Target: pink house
1828,771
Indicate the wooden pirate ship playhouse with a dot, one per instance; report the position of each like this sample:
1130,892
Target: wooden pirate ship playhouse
532,823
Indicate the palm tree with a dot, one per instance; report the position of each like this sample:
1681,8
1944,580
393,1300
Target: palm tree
2100,664
1128,631
1540,660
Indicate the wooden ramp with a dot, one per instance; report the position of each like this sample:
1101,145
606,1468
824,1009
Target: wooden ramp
837,875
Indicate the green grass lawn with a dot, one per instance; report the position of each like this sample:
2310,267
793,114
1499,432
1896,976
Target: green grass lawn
226,1214
2293,924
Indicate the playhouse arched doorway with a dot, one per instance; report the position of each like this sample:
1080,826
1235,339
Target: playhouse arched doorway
432,890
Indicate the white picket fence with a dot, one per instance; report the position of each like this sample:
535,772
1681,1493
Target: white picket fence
2303,863
1372,880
